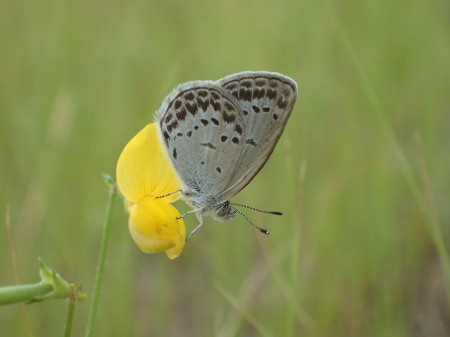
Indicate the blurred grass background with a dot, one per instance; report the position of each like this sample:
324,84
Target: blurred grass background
361,172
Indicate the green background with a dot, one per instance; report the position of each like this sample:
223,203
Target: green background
361,172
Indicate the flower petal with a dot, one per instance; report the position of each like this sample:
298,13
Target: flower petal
144,168
155,228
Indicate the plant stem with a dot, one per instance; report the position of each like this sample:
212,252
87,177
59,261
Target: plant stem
69,318
23,293
101,260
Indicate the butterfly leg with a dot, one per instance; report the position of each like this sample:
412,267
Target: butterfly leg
189,212
166,195
200,219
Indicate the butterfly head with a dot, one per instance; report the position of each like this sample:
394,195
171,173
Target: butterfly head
224,211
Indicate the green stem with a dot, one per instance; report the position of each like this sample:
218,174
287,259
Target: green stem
101,260
69,318
23,293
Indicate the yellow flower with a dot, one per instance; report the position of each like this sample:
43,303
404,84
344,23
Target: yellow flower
144,172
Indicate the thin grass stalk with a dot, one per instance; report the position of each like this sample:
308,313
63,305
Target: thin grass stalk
101,260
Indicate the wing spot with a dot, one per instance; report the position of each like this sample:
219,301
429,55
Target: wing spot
275,116
172,126
189,133
245,112
203,103
192,108
256,109
235,140
204,122
246,84
202,93
177,104
223,138
260,82
245,95
209,145
168,118
174,153
273,83
181,115
238,129
195,127
219,170
179,134
166,135
287,92
215,95
216,105
189,96
259,93
231,86
229,106
282,104
251,142
214,121
266,109
228,118
202,163
272,94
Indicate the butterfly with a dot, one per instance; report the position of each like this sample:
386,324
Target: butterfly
219,134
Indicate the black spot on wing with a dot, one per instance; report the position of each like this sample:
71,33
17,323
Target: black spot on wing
246,83
272,94
181,115
177,104
168,118
216,105
192,108
250,142
260,82
172,126
282,103
245,94
215,95
208,145
259,93
202,93
204,104
189,96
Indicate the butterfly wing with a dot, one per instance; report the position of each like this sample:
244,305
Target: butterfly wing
266,100
203,132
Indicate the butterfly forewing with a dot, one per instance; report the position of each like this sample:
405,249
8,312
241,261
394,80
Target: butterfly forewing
203,131
266,101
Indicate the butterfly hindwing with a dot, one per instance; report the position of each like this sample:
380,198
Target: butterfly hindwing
203,131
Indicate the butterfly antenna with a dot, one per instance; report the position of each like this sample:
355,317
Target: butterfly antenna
262,230
258,210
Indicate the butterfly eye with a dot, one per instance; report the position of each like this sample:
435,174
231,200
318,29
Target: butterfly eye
222,212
